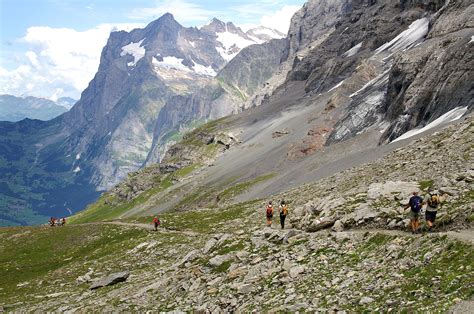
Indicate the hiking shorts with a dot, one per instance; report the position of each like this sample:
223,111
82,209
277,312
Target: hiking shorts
430,216
414,215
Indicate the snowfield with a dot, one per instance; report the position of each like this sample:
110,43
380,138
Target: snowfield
449,116
171,62
415,33
203,70
135,50
230,40
353,50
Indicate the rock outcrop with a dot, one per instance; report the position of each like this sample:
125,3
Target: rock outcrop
110,280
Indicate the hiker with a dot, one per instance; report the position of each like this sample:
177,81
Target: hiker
433,202
415,203
269,213
283,210
63,221
156,222
51,221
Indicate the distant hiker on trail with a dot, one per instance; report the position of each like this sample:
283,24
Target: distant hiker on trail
283,210
63,221
156,222
415,203
52,221
433,201
269,213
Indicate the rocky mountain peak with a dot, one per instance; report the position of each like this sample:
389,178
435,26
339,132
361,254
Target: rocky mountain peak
214,26
166,19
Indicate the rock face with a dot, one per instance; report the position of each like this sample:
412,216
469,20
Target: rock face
385,65
418,92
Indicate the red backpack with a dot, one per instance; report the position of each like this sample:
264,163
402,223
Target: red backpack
269,211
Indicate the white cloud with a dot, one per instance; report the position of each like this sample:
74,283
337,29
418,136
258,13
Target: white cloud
280,20
59,61
183,11
33,58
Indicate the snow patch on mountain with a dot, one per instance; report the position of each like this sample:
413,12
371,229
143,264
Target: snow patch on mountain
171,63
134,49
262,30
203,70
336,86
408,38
353,50
230,41
381,79
449,116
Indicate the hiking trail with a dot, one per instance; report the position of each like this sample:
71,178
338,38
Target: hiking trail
464,235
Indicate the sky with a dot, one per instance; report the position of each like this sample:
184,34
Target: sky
51,48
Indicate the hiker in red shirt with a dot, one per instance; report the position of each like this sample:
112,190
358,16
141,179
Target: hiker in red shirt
156,222
269,214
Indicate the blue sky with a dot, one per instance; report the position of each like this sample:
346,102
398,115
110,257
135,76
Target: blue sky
51,48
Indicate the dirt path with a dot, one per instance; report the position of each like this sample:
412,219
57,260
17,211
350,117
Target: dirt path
466,235
149,227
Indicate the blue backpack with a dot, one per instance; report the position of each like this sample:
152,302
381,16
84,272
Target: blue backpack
415,203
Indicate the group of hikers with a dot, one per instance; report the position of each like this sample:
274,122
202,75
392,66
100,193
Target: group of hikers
432,200
282,211
57,221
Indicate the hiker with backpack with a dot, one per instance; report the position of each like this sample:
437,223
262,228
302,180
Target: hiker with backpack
156,222
433,202
415,203
283,210
269,214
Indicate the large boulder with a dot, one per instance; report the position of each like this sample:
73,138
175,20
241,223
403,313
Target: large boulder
320,224
110,280
338,226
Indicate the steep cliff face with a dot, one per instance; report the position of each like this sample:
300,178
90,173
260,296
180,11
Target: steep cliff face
434,77
313,23
394,65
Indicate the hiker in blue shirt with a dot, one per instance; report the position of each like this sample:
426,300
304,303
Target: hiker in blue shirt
415,204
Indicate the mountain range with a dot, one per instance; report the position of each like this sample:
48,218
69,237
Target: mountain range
14,108
349,78
127,115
